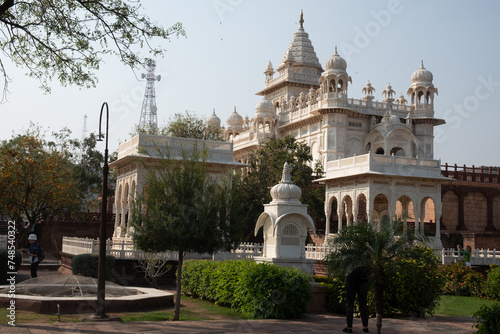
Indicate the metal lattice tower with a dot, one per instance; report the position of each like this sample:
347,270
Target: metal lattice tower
84,135
148,121
84,129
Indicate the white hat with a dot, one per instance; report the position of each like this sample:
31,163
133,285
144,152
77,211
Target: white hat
32,236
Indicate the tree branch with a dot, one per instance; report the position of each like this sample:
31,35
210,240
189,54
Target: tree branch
4,7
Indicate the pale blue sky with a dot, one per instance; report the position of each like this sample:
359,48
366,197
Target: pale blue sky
229,42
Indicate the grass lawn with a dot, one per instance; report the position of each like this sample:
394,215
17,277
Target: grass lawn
196,309
191,309
458,306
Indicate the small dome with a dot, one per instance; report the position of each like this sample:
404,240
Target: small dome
265,108
286,190
269,67
394,119
234,121
422,75
213,120
390,118
336,62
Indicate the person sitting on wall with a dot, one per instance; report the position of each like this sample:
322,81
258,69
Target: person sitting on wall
466,254
34,253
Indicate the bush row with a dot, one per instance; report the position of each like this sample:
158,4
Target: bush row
462,281
9,258
87,265
256,290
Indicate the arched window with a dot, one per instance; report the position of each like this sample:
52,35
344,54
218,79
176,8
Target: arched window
398,151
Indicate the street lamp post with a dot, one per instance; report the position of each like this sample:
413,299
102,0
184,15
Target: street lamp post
101,283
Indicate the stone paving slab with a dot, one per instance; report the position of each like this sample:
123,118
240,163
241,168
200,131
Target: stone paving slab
315,323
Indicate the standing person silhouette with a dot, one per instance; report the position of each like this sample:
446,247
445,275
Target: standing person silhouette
34,253
357,284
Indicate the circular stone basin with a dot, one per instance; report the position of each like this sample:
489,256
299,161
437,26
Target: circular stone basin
78,294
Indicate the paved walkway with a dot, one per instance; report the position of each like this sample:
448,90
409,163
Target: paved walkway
316,323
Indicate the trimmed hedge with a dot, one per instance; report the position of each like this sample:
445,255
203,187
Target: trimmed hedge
256,290
87,265
5,257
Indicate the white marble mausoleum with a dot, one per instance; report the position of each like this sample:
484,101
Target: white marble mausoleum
378,156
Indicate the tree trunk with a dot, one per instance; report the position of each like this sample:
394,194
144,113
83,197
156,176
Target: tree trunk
178,292
379,305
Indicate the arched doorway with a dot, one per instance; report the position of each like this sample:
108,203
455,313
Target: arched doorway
380,208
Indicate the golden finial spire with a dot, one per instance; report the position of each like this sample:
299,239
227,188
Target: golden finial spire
301,21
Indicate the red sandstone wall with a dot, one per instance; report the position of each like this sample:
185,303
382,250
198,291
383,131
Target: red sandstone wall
450,212
496,213
475,212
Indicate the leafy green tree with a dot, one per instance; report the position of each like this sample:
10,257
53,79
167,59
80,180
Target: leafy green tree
86,163
265,170
36,182
373,246
67,39
187,125
184,210
44,179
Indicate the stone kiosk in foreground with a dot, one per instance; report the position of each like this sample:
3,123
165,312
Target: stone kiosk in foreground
285,222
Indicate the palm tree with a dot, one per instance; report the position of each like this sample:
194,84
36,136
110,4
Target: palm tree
373,246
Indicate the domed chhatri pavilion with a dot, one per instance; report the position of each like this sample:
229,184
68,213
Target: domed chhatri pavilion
285,225
378,156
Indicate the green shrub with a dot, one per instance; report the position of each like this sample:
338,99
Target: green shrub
488,319
335,297
257,290
416,284
87,265
492,288
270,291
462,280
414,287
15,257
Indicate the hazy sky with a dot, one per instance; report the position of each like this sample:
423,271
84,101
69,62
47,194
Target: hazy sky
229,43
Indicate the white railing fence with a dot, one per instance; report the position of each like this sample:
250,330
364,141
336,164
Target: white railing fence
317,252
246,250
479,257
120,250
124,249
